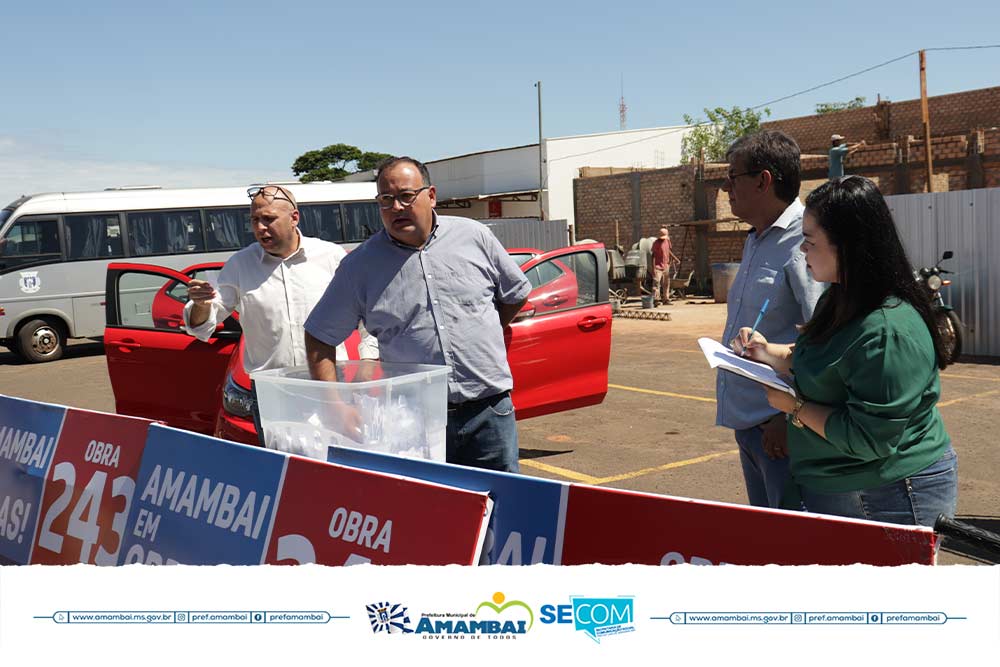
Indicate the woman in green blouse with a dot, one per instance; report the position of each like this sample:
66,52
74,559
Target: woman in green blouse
865,437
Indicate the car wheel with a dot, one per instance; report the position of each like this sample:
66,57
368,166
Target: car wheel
40,340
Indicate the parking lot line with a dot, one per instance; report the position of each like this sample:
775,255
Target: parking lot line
969,377
597,481
562,472
666,466
969,397
660,393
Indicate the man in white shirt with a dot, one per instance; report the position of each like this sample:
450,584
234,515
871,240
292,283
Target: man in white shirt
274,285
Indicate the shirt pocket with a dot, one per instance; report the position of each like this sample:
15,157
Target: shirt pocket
471,289
764,278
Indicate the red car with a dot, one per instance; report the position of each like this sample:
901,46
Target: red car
558,347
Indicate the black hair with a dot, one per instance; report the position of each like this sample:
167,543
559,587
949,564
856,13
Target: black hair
777,153
871,262
388,162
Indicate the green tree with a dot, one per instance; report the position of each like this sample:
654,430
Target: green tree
333,162
715,135
831,107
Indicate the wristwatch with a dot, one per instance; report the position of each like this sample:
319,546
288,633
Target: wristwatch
794,416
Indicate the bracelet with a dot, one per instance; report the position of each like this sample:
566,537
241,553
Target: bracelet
794,417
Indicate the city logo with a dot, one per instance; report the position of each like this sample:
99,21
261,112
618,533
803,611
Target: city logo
500,605
596,617
497,618
29,282
389,618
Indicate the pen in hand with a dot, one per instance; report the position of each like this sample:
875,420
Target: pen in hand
753,330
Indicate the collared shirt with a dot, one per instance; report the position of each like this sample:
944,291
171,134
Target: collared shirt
773,267
430,305
273,297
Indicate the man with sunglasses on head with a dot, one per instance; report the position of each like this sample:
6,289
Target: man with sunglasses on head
273,284
433,289
763,187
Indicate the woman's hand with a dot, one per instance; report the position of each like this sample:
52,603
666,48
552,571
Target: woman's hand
780,400
755,347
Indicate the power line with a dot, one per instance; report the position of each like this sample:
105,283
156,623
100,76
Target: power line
786,97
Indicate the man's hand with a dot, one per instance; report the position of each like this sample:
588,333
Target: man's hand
775,440
201,293
508,311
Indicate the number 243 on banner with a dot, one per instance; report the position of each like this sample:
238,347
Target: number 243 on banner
89,491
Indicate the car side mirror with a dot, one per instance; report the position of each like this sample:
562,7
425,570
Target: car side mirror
229,329
525,313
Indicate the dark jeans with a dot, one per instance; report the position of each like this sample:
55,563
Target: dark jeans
915,500
765,477
483,434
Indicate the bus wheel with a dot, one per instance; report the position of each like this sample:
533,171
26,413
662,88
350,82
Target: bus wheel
39,341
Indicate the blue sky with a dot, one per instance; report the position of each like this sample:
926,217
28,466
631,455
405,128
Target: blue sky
183,93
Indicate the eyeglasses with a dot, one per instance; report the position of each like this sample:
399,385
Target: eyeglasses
731,177
270,193
406,198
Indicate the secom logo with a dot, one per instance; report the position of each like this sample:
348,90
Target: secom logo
597,617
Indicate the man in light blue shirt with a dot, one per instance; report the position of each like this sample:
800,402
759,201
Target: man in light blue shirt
839,150
433,290
763,186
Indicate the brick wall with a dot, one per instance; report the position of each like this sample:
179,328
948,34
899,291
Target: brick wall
601,203
667,196
949,114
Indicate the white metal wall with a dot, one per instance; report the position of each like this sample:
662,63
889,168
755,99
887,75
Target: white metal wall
967,222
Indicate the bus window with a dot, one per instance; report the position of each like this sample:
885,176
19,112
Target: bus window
228,228
164,232
321,221
30,242
92,236
361,221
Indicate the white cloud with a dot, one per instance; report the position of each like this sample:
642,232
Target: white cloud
31,169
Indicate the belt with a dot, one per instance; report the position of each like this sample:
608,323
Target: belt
476,401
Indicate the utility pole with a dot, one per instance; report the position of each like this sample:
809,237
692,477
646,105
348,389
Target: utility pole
927,120
541,168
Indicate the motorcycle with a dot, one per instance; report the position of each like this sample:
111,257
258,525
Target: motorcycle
947,319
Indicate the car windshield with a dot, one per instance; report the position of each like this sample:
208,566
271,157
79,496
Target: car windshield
4,214
521,257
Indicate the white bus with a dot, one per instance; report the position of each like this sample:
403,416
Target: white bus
55,248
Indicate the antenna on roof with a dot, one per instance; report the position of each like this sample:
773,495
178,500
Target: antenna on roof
622,109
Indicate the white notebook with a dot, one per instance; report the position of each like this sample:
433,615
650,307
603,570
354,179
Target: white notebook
722,357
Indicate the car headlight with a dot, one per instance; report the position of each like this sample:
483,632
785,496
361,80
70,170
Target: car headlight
934,283
236,400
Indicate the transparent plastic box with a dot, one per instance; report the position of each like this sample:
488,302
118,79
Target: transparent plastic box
394,408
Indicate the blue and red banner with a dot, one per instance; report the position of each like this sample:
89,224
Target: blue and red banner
89,489
201,501
342,516
614,527
29,432
528,512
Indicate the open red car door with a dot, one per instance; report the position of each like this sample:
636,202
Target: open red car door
560,344
157,370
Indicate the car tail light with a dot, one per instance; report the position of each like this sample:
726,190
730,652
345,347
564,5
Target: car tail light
2,311
236,400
